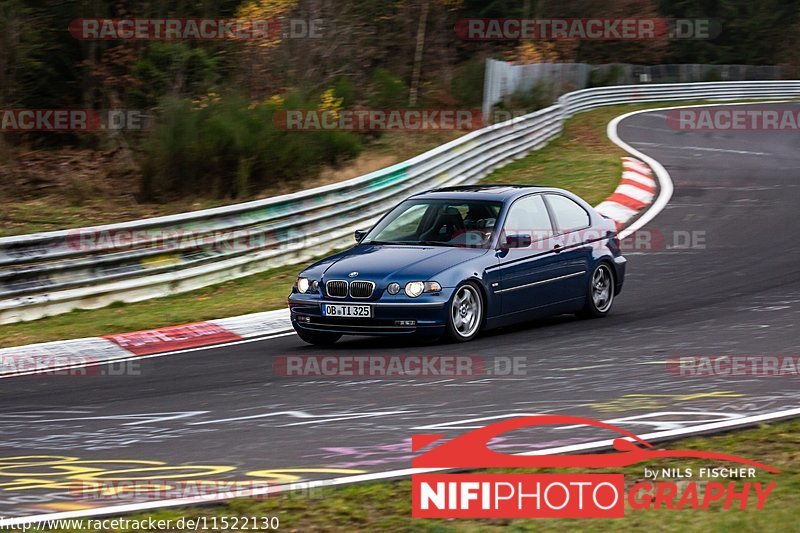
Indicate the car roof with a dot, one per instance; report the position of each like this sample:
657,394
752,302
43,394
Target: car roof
497,193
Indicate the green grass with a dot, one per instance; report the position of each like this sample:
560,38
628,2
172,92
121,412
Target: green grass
582,160
386,506
49,214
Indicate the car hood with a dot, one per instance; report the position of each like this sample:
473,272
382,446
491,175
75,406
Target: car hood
386,263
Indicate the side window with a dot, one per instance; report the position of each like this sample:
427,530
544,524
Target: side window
569,216
528,216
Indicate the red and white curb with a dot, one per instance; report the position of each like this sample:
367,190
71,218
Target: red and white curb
636,191
50,357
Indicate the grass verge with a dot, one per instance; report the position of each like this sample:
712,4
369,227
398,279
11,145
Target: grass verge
582,160
386,506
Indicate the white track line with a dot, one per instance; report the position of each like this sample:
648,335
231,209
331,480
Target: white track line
666,188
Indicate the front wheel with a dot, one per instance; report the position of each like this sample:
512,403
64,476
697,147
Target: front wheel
318,339
600,294
465,315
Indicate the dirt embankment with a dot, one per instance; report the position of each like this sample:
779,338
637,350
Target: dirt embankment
47,190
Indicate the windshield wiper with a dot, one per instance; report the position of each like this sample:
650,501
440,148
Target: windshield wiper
412,243
387,243
436,243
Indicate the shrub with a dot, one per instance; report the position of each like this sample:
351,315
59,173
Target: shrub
524,101
606,76
467,85
227,147
170,68
388,90
344,89
713,74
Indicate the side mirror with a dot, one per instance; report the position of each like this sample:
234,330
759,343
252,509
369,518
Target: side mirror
517,241
360,234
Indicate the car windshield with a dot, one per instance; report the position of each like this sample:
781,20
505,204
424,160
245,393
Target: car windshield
456,223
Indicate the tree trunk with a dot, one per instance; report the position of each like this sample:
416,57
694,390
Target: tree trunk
415,77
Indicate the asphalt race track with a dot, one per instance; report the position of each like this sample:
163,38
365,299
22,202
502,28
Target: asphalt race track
222,413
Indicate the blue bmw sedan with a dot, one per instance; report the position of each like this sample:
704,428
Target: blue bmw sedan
454,261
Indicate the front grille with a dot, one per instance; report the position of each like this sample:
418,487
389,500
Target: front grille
336,289
361,289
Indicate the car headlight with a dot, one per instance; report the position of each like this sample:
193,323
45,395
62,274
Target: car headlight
303,284
416,288
393,288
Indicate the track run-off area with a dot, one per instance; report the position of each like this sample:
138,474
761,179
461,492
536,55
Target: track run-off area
721,276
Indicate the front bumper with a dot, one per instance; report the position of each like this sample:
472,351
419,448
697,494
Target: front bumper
428,312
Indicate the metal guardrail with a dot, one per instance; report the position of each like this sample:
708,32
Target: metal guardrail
504,79
50,273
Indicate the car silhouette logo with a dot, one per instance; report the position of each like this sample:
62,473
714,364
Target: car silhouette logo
353,274
471,450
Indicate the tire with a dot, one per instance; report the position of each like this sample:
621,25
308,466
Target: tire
465,313
600,292
318,339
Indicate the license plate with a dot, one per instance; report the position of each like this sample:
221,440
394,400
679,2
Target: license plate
347,311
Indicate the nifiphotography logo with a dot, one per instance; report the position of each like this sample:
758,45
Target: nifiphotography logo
571,495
